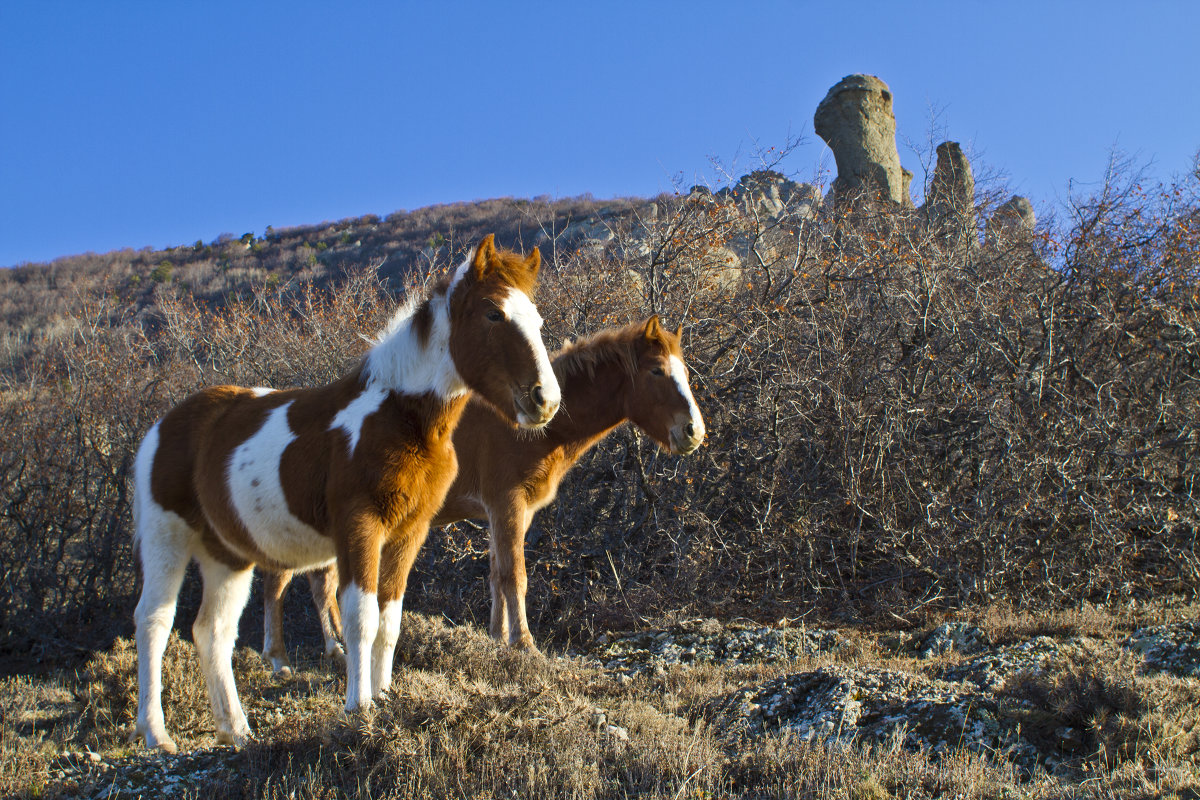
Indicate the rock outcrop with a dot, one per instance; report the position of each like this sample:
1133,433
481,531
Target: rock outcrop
710,642
857,122
1013,220
768,194
844,704
949,208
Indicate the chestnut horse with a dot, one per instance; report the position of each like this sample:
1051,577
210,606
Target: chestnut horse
348,474
635,373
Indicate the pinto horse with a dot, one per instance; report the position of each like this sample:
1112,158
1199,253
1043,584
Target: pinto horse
348,474
635,373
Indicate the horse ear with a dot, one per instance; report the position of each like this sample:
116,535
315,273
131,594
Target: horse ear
653,328
679,332
534,262
484,254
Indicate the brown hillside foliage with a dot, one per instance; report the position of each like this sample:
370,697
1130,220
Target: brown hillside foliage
897,420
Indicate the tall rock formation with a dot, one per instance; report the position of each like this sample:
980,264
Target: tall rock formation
856,120
950,203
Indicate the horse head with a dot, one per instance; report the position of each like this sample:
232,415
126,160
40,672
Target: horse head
661,401
495,336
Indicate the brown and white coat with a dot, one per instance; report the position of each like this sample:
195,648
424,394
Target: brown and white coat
636,374
349,474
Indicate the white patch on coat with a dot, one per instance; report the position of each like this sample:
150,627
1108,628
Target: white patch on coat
400,362
259,391
256,492
351,418
149,518
360,618
680,374
520,309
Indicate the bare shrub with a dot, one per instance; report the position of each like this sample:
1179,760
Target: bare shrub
894,424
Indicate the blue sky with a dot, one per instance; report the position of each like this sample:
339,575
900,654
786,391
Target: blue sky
133,124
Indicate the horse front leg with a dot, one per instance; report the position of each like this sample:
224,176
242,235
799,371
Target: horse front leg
395,566
498,628
508,526
274,650
359,554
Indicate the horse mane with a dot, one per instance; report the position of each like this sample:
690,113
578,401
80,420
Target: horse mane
512,268
509,266
613,345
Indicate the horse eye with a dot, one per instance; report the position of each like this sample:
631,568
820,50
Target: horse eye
494,315
658,371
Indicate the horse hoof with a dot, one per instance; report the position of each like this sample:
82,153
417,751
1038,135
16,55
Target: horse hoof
238,740
525,644
155,741
284,671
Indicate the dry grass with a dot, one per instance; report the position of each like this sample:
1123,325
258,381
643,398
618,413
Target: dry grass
468,719
1112,715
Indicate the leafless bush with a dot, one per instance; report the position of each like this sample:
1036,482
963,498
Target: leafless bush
894,423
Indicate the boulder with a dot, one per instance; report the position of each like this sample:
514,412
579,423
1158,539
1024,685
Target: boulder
1173,648
856,120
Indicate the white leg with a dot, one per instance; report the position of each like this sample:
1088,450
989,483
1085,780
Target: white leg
360,620
385,646
214,632
163,544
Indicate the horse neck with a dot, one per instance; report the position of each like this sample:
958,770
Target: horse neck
412,355
593,404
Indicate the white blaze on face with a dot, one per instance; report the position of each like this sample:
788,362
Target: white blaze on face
520,309
680,375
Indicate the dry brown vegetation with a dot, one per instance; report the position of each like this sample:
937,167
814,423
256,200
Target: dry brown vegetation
903,423
469,719
899,419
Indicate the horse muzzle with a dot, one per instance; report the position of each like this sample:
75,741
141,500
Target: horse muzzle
535,406
686,438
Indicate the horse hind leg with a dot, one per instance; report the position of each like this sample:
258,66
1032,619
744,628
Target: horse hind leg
324,583
274,650
164,547
226,591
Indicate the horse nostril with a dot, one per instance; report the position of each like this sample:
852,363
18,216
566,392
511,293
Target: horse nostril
690,430
538,397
